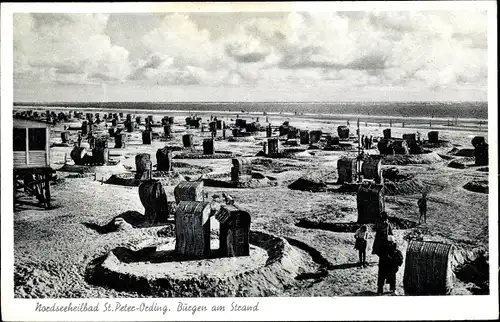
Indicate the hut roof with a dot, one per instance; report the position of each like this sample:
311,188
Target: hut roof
225,213
189,185
17,123
195,207
241,162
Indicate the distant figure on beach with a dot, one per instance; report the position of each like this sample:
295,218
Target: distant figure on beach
380,125
422,207
91,140
388,266
367,142
347,122
371,142
79,139
361,236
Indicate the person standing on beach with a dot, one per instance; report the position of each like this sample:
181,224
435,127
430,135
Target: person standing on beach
361,236
382,230
422,207
389,264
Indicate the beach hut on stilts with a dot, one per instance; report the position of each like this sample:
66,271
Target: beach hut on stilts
32,171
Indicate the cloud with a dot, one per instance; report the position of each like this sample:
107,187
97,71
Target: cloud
62,44
179,37
439,49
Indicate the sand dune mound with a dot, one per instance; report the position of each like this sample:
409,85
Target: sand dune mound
241,139
462,152
314,181
125,221
305,184
276,165
456,164
127,179
157,270
477,186
200,155
188,169
258,181
104,169
253,184
461,163
405,159
405,187
340,147
349,227
401,183
436,145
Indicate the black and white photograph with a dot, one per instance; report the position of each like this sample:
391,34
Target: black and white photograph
245,153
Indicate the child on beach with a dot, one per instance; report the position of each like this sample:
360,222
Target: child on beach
361,235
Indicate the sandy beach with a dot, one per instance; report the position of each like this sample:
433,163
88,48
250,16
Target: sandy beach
54,248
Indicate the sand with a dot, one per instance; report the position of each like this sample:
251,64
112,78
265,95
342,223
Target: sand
53,248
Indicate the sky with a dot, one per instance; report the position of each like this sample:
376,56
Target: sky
262,56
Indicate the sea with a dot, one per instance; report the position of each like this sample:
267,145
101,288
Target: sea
415,110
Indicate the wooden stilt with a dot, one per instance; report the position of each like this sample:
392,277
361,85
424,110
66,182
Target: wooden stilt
47,191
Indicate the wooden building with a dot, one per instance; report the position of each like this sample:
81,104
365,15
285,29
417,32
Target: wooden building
31,144
32,171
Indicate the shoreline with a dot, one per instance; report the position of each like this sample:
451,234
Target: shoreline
362,118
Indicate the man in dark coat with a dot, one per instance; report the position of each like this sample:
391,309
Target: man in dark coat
382,230
389,264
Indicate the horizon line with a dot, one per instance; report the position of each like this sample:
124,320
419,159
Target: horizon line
201,102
